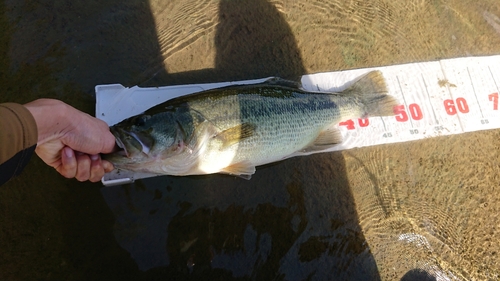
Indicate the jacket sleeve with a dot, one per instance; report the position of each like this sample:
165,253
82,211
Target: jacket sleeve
18,138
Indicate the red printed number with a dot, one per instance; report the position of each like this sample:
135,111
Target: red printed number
363,122
402,116
461,105
494,98
350,123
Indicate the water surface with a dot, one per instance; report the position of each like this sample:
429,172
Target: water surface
424,210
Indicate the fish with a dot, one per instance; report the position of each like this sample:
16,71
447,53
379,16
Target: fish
234,129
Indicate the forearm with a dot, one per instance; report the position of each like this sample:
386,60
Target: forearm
18,130
18,138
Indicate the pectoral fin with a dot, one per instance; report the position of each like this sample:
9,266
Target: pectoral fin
236,134
326,139
243,169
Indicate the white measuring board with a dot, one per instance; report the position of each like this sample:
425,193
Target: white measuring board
435,99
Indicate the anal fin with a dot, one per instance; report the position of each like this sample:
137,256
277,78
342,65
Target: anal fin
326,139
242,169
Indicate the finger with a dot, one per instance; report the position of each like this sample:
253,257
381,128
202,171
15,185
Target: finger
83,170
108,166
96,168
68,163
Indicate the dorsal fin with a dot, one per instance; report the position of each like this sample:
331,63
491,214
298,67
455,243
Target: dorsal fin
283,82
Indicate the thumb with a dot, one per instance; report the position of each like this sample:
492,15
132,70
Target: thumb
91,136
108,141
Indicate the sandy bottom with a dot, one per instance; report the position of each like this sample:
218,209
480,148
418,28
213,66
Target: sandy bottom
424,210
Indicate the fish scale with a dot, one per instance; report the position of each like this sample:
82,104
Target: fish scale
284,124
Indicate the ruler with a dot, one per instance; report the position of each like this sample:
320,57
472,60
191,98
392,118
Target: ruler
436,98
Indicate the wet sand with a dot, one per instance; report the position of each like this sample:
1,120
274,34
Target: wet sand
390,212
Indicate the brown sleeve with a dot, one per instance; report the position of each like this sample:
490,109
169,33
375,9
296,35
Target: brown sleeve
18,130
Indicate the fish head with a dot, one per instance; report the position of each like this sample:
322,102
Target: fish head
148,138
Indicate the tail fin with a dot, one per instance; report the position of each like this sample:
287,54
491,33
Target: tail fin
371,89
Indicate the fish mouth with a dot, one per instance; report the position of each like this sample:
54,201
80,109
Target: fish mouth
118,139
131,143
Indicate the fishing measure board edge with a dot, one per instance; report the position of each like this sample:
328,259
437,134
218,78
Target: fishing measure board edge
436,98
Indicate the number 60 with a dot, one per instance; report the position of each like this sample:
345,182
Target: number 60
451,109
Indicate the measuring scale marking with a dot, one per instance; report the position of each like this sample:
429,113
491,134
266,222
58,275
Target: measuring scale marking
476,97
435,99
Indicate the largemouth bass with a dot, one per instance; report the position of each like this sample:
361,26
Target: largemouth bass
234,129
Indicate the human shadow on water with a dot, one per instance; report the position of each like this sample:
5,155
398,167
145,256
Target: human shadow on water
293,220
54,228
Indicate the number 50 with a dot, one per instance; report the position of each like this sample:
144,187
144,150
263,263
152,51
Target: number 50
414,109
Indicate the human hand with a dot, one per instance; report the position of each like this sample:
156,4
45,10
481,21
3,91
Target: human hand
70,140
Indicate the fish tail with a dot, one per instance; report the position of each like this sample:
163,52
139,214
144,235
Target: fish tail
371,90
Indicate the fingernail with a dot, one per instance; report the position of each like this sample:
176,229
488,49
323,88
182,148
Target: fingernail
68,152
94,157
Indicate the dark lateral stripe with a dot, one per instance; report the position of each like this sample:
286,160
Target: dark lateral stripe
305,104
16,164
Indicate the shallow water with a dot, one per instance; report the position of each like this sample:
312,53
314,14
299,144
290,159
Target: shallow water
423,210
